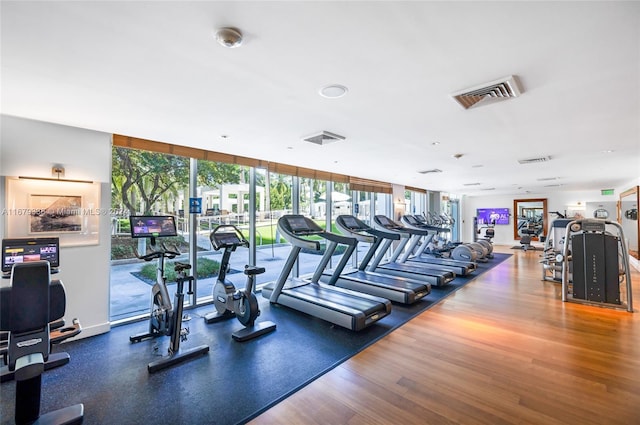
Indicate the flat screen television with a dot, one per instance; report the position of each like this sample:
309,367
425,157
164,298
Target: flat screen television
152,226
23,250
487,216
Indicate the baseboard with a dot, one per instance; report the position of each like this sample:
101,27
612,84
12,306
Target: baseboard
91,331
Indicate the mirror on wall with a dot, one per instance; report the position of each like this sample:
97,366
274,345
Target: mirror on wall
628,219
530,218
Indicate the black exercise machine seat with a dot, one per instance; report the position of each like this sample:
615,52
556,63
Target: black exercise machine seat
26,314
58,330
343,307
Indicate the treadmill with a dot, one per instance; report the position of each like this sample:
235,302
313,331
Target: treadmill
413,270
343,307
394,288
460,268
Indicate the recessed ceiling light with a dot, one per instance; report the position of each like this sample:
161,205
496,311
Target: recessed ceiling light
477,166
290,147
333,91
435,143
224,137
458,155
608,151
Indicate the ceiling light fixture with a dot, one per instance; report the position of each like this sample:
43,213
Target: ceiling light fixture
333,91
229,37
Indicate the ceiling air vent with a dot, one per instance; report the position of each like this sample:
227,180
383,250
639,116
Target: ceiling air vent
502,89
534,160
323,138
434,170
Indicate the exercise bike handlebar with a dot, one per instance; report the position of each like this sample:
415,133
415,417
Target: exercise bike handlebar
157,253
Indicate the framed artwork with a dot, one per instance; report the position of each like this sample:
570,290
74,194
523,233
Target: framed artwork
55,213
67,209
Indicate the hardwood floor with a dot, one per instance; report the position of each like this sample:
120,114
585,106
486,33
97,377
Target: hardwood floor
503,350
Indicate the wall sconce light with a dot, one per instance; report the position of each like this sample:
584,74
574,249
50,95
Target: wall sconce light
57,171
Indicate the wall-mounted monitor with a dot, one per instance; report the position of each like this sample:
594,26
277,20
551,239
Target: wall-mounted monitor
488,216
152,226
23,250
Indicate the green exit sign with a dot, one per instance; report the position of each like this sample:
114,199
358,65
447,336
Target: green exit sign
606,192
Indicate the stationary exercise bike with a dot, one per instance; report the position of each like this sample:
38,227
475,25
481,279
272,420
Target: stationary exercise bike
228,301
165,319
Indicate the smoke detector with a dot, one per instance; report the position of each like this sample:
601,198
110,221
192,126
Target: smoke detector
323,138
229,37
501,89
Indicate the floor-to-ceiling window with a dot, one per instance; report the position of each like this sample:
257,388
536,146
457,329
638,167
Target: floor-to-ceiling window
271,248
224,192
149,178
416,200
143,183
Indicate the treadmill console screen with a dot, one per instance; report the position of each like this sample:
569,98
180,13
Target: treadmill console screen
298,225
385,221
350,222
411,219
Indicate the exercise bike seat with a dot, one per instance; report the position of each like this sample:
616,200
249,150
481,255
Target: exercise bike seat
253,270
181,266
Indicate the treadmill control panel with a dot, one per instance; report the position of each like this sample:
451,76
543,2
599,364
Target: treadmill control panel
300,225
351,223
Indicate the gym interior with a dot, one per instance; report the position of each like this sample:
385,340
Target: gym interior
511,340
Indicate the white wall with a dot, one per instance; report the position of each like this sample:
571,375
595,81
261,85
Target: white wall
30,148
556,201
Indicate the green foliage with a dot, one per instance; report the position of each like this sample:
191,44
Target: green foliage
280,195
122,248
155,179
215,173
140,176
119,251
206,268
124,225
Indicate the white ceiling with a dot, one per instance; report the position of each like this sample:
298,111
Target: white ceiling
153,70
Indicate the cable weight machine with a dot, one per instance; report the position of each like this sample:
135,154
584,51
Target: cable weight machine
595,264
